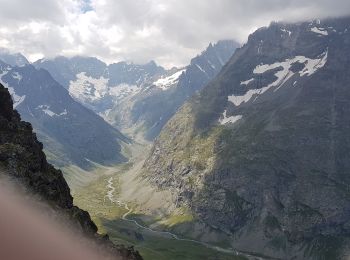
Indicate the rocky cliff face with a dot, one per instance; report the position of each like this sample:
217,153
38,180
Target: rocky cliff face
262,152
22,156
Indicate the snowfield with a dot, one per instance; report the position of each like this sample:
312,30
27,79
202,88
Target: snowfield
282,76
50,113
17,99
88,89
228,120
167,82
320,31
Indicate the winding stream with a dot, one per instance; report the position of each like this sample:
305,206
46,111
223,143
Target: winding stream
111,197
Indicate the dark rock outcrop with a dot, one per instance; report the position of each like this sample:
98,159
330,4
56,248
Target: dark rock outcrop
22,157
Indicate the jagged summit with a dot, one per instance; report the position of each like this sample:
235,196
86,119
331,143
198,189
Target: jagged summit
13,59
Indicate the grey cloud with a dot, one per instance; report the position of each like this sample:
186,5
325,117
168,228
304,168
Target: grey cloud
13,12
168,31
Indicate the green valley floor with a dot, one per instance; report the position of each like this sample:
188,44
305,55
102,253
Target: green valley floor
100,193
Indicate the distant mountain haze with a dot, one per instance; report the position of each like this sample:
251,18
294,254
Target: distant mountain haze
71,133
129,95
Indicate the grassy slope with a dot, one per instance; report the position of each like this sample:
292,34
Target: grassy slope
108,218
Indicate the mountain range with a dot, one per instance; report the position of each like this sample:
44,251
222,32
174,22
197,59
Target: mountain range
261,153
250,142
65,98
71,133
129,95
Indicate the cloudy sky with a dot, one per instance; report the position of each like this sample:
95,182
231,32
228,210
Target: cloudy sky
167,31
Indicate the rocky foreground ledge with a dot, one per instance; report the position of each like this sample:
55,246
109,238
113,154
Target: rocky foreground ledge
23,159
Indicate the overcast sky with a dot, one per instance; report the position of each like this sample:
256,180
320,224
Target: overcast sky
170,32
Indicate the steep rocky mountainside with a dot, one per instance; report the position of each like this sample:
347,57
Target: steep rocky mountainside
262,152
152,108
71,133
22,157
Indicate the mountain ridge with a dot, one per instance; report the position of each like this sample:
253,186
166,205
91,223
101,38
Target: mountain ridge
145,110
257,152
128,95
72,134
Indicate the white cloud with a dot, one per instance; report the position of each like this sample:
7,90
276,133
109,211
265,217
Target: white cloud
168,31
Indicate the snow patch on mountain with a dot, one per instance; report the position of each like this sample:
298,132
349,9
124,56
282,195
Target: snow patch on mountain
17,76
320,31
123,90
238,100
286,31
105,116
211,65
312,65
87,88
47,111
224,119
260,46
17,99
247,81
200,68
96,93
282,75
166,82
3,73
